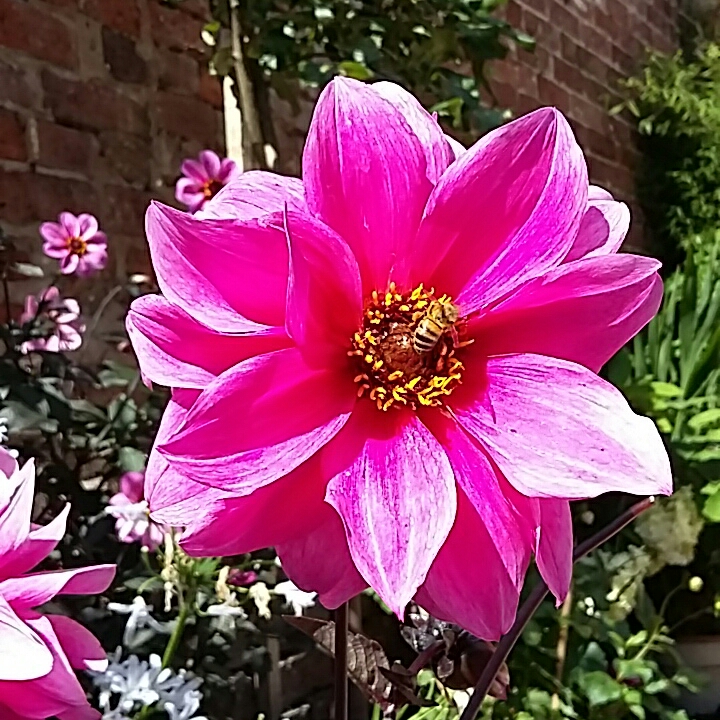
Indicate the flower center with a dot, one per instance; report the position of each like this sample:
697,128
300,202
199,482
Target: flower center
211,188
76,245
405,352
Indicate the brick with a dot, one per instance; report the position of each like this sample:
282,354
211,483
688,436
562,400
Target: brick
188,117
30,197
210,89
550,93
28,29
19,86
125,209
563,18
567,74
120,15
64,4
93,105
505,94
513,13
12,136
177,72
127,156
121,57
197,8
175,30
64,148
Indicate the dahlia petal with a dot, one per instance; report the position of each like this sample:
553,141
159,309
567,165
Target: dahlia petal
287,411
468,583
320,562
34,589
69,263
457,148
58,693
194,170
188,192
228,170
555,546
38,545
175,350
15,520
365,175
602,231
397,499
595,192
210,162
438,153
53,233
220,272
82,649
253,194
70,223
480,482
57,252
555,429
584,311
24,655
324,301
506,210
88,226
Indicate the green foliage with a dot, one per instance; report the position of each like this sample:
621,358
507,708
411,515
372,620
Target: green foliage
438,49
676,103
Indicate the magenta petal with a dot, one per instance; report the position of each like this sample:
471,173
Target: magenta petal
56,694
285,410
396,497
15,520
210,162
221,272
320,562
54,233
82,649
253,194
468,583
438,152
70,224
555,546
88,226
506,210
480,482
195,170
34,589
175,350
69,263
38,545
365,175
584,311
24,655
602,231
595,192
324,302
557,430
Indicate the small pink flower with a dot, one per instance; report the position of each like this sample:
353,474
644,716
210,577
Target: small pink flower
203,179
239,578
56,318
76,242
130,510
38,652
331,400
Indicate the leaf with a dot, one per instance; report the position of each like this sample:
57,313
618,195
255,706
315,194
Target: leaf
711,507
366,661
131,460
600,688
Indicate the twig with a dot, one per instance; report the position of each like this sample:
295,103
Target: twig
561,647
341,657
537,595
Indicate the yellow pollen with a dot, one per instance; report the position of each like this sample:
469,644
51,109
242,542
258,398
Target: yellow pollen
76,245
390,371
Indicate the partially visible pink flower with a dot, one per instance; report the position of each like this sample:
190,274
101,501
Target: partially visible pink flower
203,179
38,652
57,320
239,578
130,509
315,409
76,242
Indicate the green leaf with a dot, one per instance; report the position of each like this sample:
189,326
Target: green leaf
600,688
131,460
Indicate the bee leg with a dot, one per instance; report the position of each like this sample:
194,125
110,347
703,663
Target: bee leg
454,336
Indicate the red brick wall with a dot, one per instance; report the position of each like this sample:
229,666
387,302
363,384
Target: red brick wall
99,102
584,47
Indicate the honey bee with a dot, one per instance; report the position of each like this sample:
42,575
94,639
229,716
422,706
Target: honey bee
441,315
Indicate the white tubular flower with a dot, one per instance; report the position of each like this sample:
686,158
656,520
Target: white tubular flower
294,596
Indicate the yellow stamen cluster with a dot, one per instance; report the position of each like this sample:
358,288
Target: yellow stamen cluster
76,245
390,371
211,188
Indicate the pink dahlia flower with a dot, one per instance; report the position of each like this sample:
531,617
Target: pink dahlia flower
57,320
38,652
76,242
203,179
130,510
388,369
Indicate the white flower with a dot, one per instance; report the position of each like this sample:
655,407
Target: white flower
226,609
140,618
261,597
183,704
299,599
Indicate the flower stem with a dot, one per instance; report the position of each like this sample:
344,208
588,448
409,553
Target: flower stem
537,595
177,634
341,657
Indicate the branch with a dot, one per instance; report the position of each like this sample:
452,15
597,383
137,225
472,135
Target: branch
537,595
